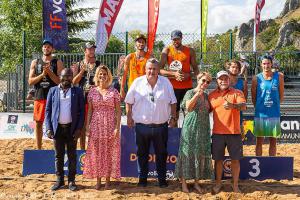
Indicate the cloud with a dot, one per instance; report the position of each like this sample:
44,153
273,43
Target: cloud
185,14
223,16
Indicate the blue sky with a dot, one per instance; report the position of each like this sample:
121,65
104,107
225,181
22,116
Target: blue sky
185,14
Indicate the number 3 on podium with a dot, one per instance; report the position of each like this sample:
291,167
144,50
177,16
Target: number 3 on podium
255,167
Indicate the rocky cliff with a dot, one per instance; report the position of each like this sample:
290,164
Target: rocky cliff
287,31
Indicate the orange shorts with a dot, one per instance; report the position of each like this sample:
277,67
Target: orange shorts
39,110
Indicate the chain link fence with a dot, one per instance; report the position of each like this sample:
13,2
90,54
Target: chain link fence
220,48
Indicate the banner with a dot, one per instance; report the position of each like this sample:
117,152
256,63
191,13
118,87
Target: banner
258,7
290,130
18,125
129,157
204,13
55,26
21,125
261,168
153,13
252,167
108,13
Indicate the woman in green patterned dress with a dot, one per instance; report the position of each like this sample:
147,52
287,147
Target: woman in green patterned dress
194,155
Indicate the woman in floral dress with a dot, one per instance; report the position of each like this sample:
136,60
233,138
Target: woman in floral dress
194,155
103,130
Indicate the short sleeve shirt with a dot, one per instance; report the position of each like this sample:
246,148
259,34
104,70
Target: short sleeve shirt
226,121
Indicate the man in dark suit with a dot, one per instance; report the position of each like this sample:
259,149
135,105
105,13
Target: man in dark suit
64,121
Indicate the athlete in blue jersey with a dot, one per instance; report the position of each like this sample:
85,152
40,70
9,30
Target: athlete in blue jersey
236,81
267,93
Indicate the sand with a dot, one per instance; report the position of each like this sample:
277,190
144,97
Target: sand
14,186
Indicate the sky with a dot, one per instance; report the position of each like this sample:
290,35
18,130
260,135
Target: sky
185,14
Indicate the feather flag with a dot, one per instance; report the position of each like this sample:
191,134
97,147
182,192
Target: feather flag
109,10
153,13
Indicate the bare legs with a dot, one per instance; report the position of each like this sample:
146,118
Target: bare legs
107,183
184,186
235,167
272,147
39,134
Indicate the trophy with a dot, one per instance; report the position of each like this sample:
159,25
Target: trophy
175,65
89,68
45,83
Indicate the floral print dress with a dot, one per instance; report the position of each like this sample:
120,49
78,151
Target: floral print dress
103,152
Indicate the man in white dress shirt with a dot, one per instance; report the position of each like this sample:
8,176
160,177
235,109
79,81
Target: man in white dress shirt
151,107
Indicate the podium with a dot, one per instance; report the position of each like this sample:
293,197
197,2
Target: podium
252,167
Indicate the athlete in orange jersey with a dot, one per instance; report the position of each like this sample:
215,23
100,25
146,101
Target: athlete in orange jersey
134,63
179,56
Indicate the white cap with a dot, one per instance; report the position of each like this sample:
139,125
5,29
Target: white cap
221,73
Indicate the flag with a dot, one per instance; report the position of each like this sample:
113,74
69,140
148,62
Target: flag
204,12
258,7
153,13
55,26
109,10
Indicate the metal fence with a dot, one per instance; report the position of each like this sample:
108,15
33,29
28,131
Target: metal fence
220,49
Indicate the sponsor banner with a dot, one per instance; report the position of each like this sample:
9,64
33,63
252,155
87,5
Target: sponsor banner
21,125
43,162
129,157
153,13
55,25
17,125
108,13
290,130
259,168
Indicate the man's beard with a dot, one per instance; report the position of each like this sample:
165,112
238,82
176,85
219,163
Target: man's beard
47,54
140,48
177,45
66,84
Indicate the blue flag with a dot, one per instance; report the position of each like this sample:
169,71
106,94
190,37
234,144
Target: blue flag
55,24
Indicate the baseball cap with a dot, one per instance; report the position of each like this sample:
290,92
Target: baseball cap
48,41
222,73
176,34
89,45
140,36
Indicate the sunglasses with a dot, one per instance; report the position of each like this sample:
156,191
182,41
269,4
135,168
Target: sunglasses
205,81
151,96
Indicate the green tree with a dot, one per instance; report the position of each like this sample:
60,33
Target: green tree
115,45
18,16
